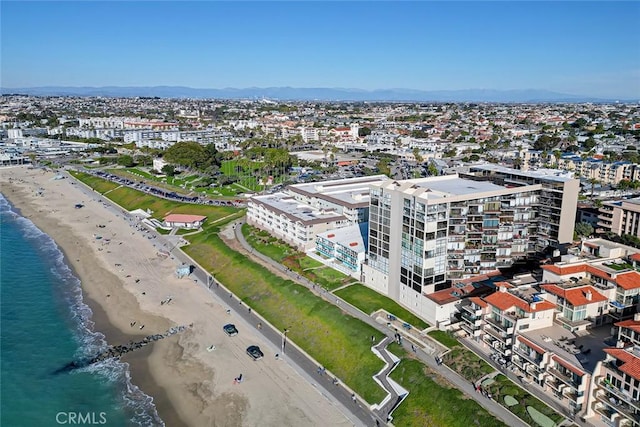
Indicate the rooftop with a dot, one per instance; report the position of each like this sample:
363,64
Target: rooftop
576,296
352,236
351,192
547,174
285,204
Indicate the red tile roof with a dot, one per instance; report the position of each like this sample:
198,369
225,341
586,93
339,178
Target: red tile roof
530,344
634,325
630,280
576,296
635,257
184,218
566,269
478,301
568,365
594,271
630,363
505,300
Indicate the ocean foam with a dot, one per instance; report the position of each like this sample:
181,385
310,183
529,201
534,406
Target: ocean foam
90,342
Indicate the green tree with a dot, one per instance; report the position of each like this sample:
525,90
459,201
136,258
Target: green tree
364,131
432,170
546,142
416,155
126,161
188,154
143,160
583,229
168,170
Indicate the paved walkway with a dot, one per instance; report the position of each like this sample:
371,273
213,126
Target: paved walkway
358,412
427,357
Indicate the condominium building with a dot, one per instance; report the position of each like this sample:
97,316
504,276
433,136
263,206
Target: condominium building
517,327
302,211
425,233
620,217
291,221
615,395
615,279
346,246
558,199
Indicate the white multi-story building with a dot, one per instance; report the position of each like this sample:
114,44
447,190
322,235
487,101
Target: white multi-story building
345,247
302,211
288,219
424,233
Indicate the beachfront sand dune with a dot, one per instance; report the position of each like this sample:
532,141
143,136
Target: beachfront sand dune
125,277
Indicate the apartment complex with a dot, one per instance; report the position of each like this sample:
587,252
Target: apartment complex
302,211
553,333
615,395
346,246
620,217
425,233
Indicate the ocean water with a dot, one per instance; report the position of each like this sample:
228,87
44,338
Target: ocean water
44,325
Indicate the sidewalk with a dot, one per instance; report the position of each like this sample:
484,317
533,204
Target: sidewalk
427,357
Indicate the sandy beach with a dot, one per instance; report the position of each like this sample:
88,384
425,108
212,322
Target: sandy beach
125,279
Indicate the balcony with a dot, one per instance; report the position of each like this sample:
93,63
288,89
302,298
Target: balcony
513,315
501,327
472,311
624,409
606,412
475,332
533,357
609,390
565,378
472,320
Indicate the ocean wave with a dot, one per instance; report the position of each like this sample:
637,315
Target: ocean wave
90,342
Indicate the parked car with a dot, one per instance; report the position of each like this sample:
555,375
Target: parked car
255,352
230,329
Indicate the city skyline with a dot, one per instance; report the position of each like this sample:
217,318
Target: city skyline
578,48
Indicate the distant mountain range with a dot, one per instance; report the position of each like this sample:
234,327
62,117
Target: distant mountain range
314,94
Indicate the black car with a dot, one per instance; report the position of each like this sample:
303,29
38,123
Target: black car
230,329
254,352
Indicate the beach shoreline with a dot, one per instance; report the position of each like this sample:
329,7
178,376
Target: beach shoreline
124,280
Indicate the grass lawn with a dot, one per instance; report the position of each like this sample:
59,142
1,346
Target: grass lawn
281,252
98,184
338,341
444,338
431,401
131,199
466,363
266,244
368,301
619,267
505,387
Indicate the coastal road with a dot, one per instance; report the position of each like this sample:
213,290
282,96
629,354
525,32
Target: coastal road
357,412
360,413
456,380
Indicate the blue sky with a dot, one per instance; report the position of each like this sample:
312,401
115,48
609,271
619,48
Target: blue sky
584,48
